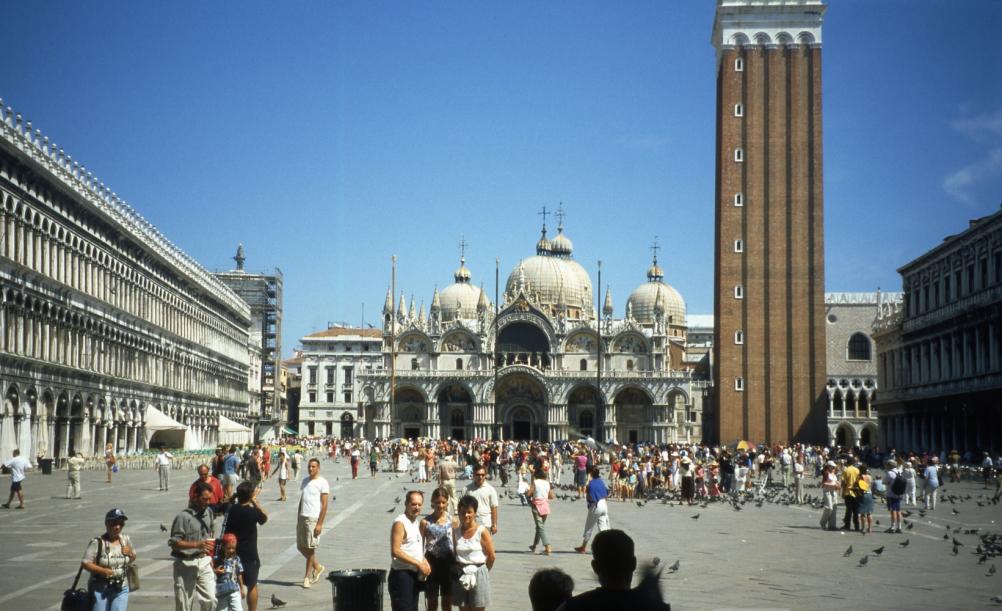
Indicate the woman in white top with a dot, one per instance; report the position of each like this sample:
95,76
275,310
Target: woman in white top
282,469
540,494
107,557
910,481
475,557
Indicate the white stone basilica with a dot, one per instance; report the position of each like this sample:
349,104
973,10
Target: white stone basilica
542,365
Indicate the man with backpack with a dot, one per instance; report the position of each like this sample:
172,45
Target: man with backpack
896,485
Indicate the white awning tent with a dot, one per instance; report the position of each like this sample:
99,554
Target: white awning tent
161,429
233,433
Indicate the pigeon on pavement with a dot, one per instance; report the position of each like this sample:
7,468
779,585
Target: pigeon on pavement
847,552
277,602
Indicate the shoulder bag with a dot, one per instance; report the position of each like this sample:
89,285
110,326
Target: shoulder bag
132,570
76,599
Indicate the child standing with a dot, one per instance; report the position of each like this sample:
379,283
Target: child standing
229,577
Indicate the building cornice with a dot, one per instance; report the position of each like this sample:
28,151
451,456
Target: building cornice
767,23
17,136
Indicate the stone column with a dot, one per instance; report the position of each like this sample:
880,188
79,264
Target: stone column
556,421
993,347
432,420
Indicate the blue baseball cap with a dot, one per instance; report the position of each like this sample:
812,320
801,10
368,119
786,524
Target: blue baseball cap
114,515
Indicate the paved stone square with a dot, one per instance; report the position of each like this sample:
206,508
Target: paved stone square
773,556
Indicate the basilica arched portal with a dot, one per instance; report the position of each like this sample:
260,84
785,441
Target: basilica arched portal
410,407
454,410
634,415
522,404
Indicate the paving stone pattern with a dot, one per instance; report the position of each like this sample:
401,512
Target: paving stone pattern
772,556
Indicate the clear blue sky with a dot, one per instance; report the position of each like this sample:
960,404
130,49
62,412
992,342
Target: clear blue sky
327,136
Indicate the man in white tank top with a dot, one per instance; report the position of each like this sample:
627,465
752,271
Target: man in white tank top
407,563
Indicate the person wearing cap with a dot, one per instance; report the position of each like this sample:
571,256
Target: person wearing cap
893,499
829,488
106,559
192,543
229,572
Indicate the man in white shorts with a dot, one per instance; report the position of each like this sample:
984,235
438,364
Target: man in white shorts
314,494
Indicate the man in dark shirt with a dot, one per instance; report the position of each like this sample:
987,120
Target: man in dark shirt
614,562
242,519
726,473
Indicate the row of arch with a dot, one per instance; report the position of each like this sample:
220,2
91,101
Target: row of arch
741,39
59,423
581,340
850,435
38,328
524,410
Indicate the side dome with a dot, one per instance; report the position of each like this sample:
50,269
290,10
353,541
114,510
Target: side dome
654,295
459,300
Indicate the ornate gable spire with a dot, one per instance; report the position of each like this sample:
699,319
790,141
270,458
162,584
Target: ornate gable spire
607,308
388,304
436,302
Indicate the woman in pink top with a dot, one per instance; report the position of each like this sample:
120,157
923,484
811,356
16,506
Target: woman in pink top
581,472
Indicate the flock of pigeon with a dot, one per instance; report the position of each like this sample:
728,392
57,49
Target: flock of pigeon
989,545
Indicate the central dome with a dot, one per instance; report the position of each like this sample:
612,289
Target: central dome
554,281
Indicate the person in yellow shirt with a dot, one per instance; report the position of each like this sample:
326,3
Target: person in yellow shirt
849,495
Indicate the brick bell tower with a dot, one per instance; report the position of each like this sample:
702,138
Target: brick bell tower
769,325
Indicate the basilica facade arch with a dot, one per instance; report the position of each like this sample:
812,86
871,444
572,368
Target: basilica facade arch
547,367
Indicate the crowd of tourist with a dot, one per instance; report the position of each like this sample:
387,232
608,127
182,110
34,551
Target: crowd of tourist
448,552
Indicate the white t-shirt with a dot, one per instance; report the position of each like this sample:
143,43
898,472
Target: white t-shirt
17,466
487,497
164,458
541,490
312,489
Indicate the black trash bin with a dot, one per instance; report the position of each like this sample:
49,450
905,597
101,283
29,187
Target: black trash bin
358,589
46,465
